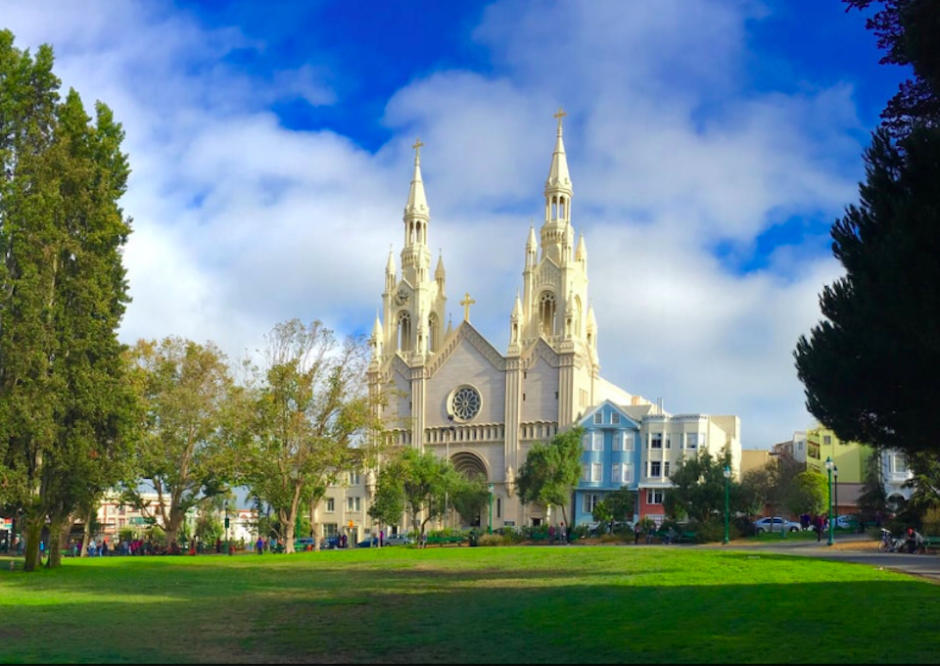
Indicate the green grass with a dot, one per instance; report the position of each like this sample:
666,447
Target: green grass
558,604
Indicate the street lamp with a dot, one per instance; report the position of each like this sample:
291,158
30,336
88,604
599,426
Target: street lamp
835,483
727,473
228,546
829,468
489,530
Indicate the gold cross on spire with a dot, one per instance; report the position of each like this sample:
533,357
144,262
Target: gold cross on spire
559,114
466,303
417,146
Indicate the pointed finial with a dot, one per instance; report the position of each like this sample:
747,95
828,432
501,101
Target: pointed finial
417,148
558,115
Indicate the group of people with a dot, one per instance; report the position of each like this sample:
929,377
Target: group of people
561,534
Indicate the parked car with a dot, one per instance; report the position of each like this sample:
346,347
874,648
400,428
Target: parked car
847,522
331,541
776,524
370,542
398,540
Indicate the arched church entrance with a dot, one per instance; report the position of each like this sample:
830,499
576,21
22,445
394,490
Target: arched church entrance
470,466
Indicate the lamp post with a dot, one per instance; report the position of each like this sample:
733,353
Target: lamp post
835,483
489,530
829,467
727,473
228,546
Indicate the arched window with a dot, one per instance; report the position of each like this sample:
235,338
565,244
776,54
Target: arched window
434,331
577,315
404,332
547,313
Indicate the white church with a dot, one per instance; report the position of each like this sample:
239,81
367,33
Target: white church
454,392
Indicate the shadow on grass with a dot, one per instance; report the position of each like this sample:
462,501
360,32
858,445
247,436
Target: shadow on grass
373,614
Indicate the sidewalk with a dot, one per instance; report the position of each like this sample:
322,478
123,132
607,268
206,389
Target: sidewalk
926,566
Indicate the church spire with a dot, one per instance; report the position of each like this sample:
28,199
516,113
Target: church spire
415,255
417,205
580,254
558,179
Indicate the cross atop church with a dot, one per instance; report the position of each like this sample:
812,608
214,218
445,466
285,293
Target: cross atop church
466,303
558,115
417,147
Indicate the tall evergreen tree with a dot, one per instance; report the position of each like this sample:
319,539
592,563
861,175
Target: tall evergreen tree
64,409
869,367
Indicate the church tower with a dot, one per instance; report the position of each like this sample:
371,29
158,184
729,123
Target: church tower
554,303
413,304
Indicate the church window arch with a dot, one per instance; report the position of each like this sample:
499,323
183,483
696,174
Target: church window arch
547,311
404,332
577,315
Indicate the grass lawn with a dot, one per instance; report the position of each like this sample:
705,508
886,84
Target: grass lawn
555,604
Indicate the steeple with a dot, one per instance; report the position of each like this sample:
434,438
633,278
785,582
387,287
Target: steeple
556,234
415,255
558,179
417,206
439,271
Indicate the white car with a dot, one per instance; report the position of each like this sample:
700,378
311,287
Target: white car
776,524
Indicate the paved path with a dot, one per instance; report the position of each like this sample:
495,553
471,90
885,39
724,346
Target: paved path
927,566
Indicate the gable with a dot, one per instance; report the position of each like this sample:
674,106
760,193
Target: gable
466,333
607,410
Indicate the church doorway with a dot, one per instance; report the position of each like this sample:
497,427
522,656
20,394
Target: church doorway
470,509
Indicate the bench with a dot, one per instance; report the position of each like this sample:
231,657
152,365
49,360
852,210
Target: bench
445,540
931,543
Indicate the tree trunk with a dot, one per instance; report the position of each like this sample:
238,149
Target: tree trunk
86,534
32,533
173,526
57,534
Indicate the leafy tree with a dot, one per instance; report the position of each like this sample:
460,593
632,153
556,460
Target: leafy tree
925,480
470,497
310,417
388,504
423,481
873,500
809,493
66,415
551,471
699,487
756,490
183,454
616,506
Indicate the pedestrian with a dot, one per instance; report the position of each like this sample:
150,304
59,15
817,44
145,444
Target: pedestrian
218,544
381,538
104,546
636,533
551,534
259,544
819,528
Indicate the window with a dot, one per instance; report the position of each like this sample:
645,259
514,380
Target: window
654,496
668,442
598,440
691,440
657,440
353,504
596,471
900,463
590,501
598,417
655,467
330,505
585,472
547,313
615,418
666,468
812,450
329,529
628,441
586,441
354,478
499,507
617,441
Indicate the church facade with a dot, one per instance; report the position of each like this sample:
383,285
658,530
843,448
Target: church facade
453,392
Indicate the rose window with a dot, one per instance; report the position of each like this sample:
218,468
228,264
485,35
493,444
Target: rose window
466,403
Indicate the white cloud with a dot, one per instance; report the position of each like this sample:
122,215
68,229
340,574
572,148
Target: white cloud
240,222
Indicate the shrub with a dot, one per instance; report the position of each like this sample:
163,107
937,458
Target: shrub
491,540
611,538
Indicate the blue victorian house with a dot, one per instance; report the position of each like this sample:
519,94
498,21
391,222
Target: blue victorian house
610,458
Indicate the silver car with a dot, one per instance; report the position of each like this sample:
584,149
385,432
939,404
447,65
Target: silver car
776,524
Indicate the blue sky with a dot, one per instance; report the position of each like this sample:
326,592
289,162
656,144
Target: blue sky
711,144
